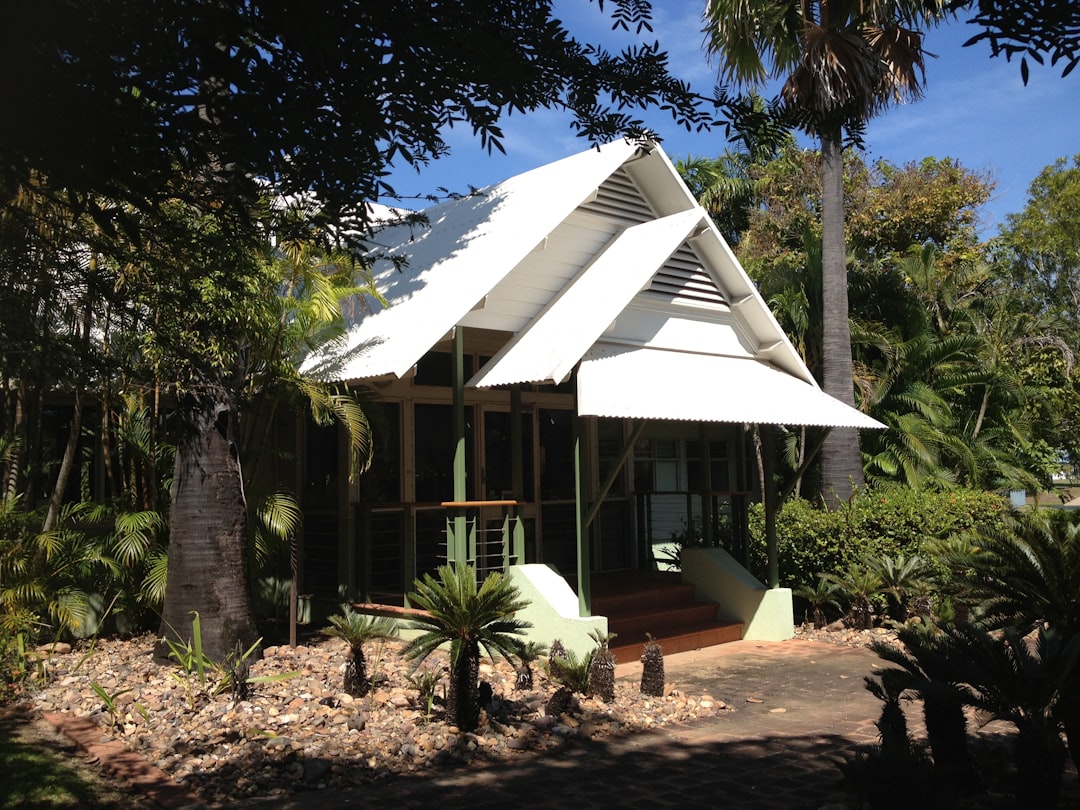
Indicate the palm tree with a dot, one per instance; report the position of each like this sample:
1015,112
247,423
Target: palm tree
843,62
467,618
356,630
289,304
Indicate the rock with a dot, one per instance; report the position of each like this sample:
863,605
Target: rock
316,769
304,732
55,648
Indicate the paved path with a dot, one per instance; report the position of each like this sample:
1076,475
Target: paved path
799,707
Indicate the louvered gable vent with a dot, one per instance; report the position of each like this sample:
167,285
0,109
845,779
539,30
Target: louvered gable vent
682,278
619,200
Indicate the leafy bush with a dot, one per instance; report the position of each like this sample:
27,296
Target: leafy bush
875,523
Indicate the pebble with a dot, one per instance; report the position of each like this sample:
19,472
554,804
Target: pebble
304,732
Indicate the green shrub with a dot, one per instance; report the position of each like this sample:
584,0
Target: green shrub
875,523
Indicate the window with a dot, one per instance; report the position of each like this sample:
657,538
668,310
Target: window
556,454
435,451
381,483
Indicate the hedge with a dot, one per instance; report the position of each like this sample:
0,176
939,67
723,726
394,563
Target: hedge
812,540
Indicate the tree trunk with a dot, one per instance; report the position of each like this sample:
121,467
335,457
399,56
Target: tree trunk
67,464
208,533
841,463
463,695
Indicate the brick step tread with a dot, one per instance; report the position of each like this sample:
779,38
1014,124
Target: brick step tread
690,638
658,621
660,596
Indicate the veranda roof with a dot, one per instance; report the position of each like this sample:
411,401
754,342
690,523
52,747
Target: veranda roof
637,382
602,262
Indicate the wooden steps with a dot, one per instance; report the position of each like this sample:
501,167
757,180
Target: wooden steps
660,605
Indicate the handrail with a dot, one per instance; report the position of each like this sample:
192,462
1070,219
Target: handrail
468,504
511,534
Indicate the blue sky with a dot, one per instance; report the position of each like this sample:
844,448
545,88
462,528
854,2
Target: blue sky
975,109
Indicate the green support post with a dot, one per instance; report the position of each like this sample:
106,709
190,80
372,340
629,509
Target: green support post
583,565
459,554
770,503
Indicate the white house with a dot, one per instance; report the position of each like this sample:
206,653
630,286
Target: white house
567,367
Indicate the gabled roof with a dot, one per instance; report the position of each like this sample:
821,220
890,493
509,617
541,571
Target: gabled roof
602,261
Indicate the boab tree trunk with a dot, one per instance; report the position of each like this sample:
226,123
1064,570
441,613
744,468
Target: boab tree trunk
208,533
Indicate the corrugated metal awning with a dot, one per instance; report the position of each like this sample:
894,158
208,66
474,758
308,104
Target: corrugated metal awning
637,382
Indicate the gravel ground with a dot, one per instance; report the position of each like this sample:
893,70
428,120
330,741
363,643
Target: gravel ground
303,732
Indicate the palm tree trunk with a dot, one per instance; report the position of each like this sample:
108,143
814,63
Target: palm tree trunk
208,533
67,464
463,695
841,463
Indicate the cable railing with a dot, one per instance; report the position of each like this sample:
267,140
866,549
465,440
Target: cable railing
489,544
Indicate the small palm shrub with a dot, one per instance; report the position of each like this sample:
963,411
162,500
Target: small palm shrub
860,584
824,594
930,666
468,618
902,576
896,772
557,657
652,668
1008,678
528,653
571,671
356,630
601,683
1026,575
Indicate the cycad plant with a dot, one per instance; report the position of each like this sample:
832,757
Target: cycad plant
902,576
468,618
570,671
557,657
1023,683
930,665
356,630
528,652
602,667
652,668
861,585
895,772
1027,576
823,594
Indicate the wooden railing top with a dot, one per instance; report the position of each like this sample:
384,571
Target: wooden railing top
467,504
389,611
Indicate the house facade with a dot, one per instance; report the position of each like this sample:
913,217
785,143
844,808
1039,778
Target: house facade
568,367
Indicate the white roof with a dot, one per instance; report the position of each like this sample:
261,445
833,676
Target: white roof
553,343
627,381
603,259
468,246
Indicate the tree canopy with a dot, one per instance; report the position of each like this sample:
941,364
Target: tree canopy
119,99
1035,29
143,142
